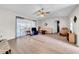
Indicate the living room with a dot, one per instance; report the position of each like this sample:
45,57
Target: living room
58,22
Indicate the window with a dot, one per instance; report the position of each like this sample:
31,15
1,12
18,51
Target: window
23,25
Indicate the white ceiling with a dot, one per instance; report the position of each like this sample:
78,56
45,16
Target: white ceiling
29,9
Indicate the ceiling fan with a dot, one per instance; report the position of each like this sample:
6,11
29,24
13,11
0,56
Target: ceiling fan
42,12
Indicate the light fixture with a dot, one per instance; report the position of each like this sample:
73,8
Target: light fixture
42,13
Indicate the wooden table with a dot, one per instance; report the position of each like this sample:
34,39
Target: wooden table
43,31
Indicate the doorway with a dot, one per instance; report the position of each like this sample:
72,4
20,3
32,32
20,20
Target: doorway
58,27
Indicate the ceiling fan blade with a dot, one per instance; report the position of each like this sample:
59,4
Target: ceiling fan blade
39,11
38,14
47,12
35,12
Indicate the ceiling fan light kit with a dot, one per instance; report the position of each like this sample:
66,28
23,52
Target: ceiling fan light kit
42,13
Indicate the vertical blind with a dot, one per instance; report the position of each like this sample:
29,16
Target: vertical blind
23,25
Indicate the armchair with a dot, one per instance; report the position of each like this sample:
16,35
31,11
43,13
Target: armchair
34,31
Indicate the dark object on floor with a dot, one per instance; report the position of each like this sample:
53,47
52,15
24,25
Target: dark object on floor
8,52
34,31
1,40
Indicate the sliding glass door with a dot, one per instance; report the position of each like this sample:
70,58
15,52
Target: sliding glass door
23,25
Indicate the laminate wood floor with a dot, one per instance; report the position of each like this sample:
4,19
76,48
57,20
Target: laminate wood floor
41,44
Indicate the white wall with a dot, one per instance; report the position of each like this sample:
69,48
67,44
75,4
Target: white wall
75,26
64,22
51,24
7,24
